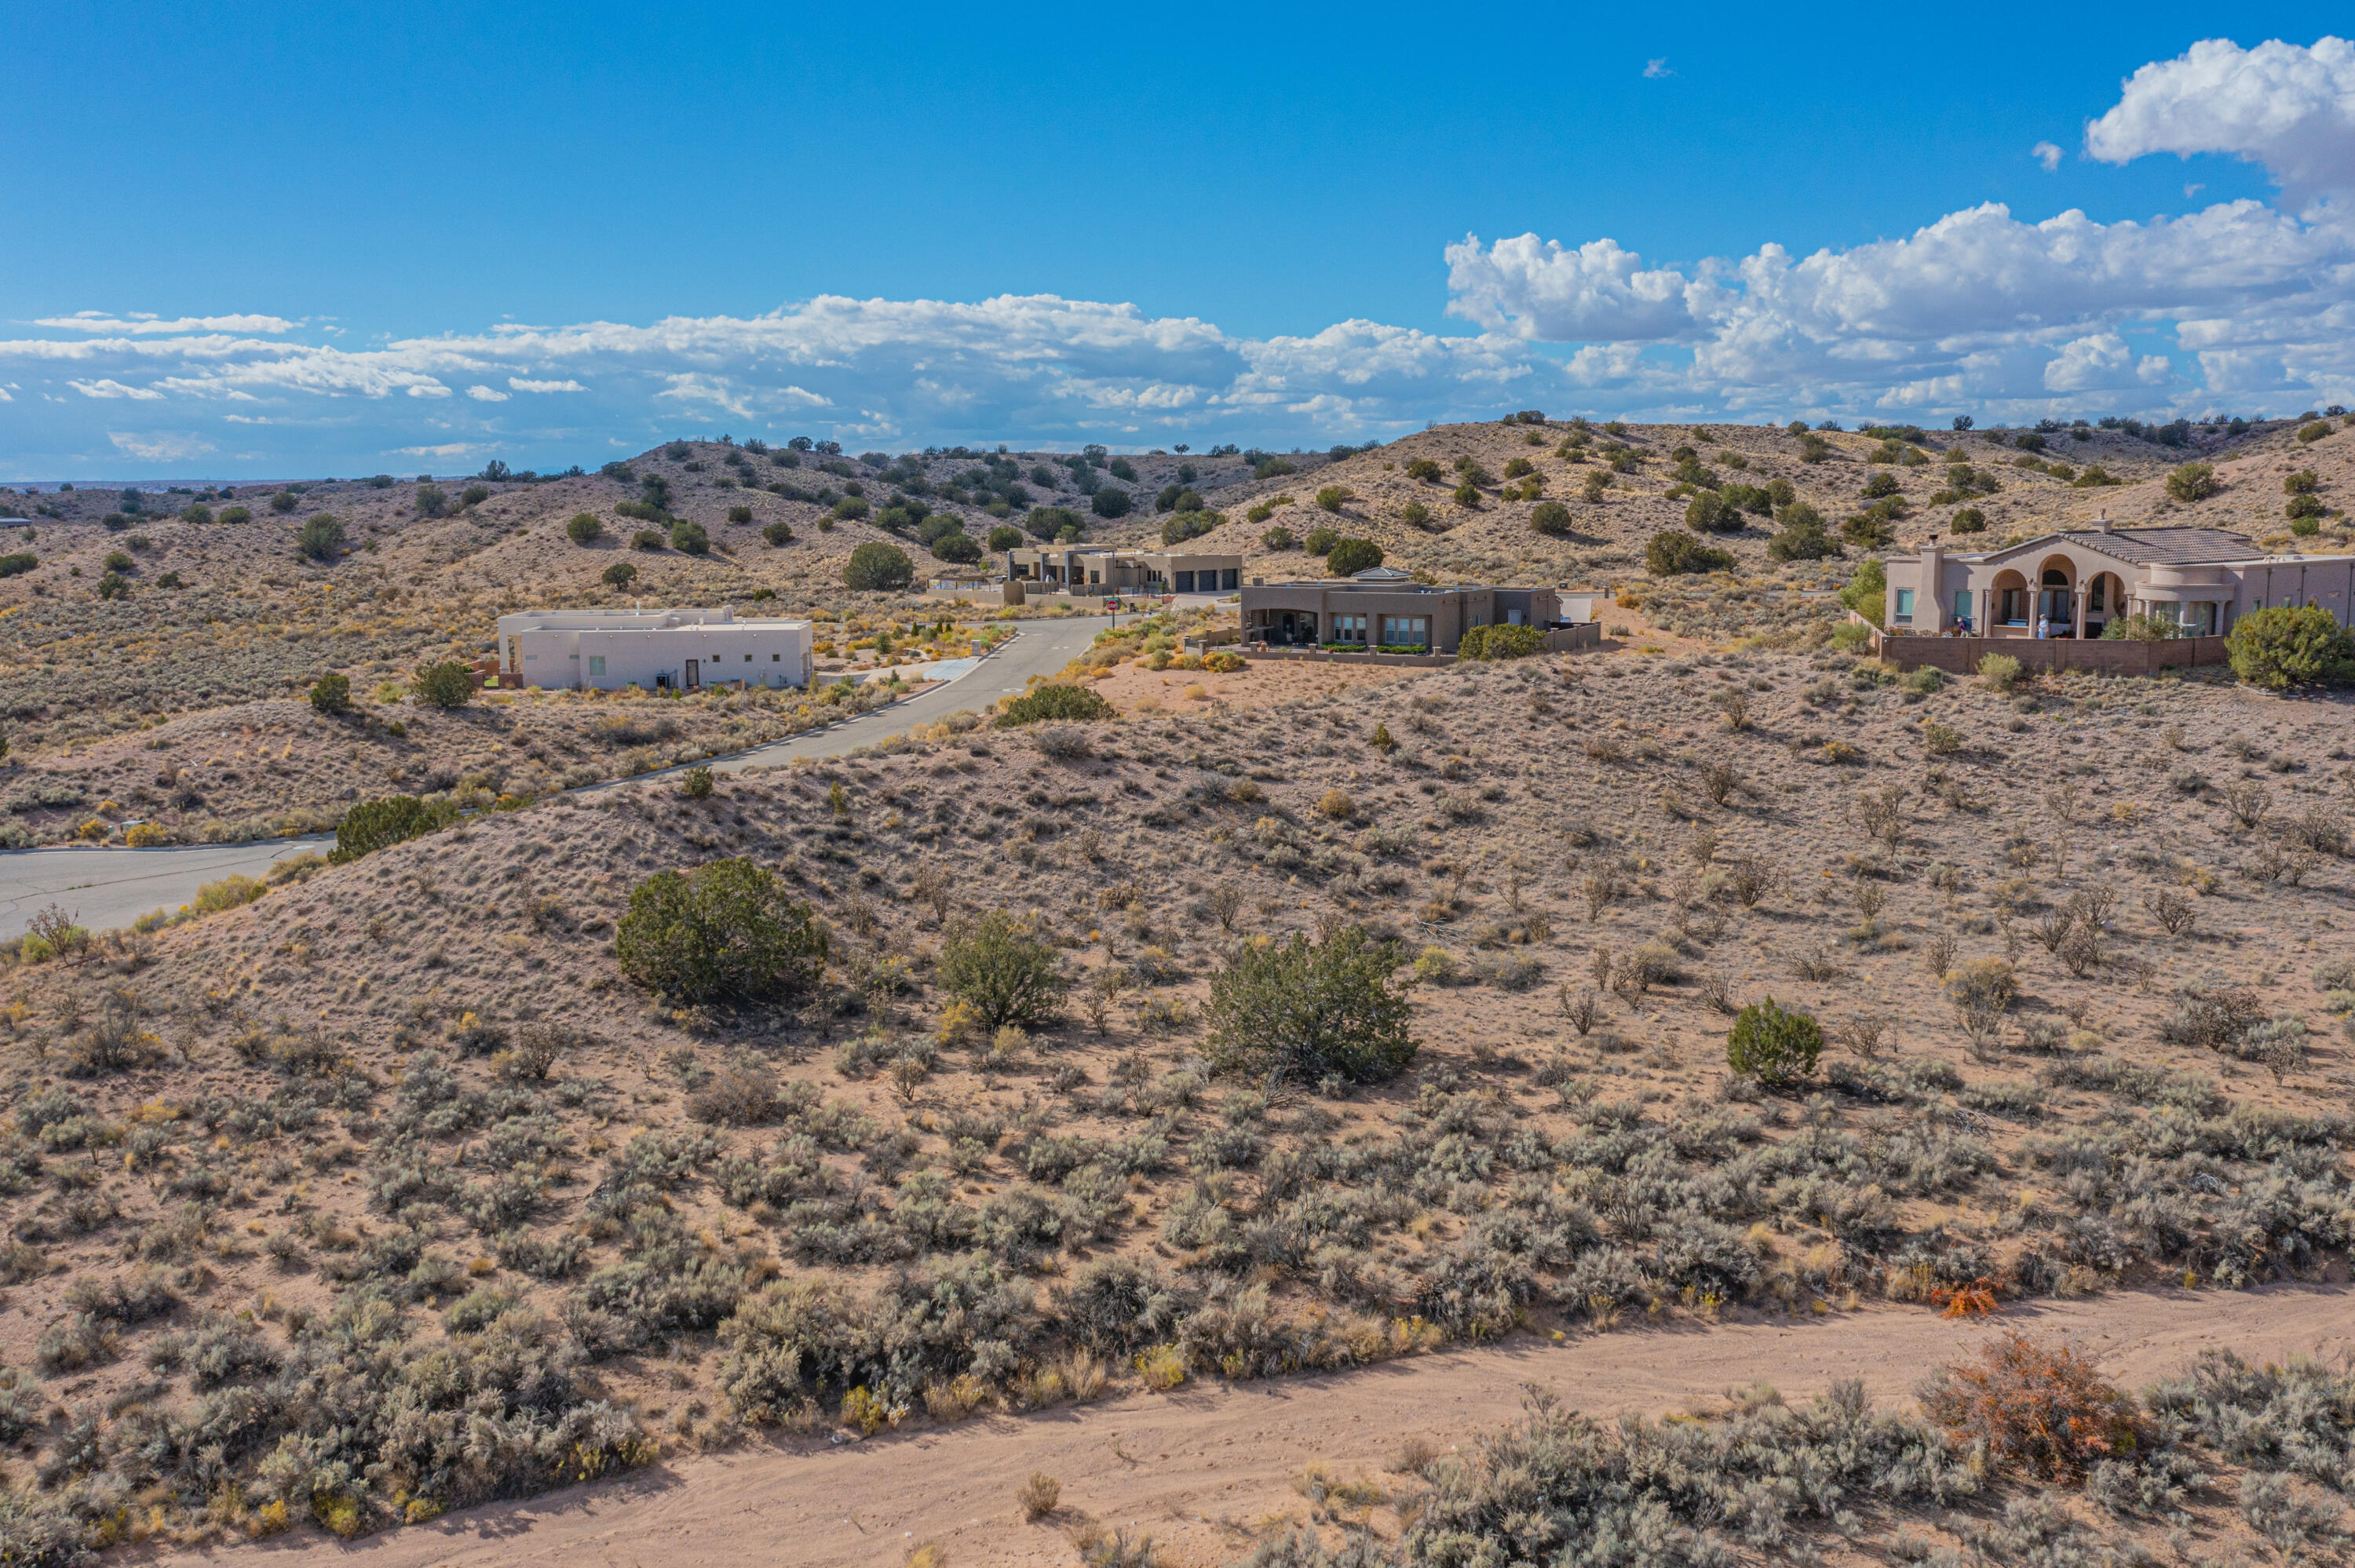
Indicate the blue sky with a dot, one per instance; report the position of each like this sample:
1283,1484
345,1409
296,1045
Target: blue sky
310,241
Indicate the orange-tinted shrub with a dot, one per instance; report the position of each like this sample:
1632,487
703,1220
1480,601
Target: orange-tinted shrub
2036,1405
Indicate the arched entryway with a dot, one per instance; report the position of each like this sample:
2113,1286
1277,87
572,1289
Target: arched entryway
2105,600
2011,605
2056,598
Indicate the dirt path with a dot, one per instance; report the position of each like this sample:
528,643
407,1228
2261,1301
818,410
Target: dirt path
1204,1467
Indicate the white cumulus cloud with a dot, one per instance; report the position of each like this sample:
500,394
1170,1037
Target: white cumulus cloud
482,394
525,384
2046,153
2289,108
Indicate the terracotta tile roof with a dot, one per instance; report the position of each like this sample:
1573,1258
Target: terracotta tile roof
2166,546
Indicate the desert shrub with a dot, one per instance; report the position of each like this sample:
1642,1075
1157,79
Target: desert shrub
1110,501
234,514
2036,1407
1982,985
332,694
779,532
739,515
2212,1018
584,528
1300,1011
876,567
1333,497
17,563
322,539
688,538
1969,520
1707,513
1000,967
448,686
1682,1491
1278,538
1005,537
1772,1045
1999,671
1351,555
285,501
432,501
1802,536
2193,482
2282,647
1064,703
373,825
621,574
1671,554
851,508
1553,519
725,931
116,561
1118,1305
1501,642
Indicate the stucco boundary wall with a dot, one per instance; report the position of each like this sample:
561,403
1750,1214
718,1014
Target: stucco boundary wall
1960,655
1322,656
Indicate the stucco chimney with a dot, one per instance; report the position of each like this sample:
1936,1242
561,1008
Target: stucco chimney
2102,521
1933,588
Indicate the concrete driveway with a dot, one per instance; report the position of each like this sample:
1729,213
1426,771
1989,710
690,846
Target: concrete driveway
106,888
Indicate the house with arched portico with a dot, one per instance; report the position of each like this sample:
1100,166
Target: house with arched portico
2074,582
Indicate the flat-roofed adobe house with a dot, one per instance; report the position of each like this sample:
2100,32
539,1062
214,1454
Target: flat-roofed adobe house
1382,606
1098,569
2075,582
654,650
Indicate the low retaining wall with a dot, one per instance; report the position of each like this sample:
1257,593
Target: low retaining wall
1324,656
1561,640
1960,655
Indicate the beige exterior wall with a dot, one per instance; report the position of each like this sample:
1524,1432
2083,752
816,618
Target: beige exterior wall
2008,592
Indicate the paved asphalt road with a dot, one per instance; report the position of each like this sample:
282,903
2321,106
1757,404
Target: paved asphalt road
105,888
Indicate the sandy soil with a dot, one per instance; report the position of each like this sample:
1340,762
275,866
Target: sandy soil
1266,684
1206,1469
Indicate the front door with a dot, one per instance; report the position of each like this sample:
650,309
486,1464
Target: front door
694,674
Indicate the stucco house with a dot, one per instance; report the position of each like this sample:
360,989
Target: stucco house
654,650
2075,582
1098,569
1383,606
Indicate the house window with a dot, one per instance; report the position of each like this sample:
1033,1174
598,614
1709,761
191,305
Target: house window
2014,609
1961,604
1905,604
596,664
2097,597
775,658
1406,632
1348,629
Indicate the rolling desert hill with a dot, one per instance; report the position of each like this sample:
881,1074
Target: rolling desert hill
393,1191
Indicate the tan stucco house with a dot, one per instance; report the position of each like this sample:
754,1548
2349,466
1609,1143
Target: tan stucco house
1383,606
1099,569
2073,583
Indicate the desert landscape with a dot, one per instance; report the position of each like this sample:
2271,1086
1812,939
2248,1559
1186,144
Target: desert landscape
1180,1114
